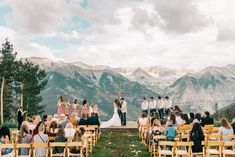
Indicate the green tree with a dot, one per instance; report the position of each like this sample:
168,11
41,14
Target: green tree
30,81
7,67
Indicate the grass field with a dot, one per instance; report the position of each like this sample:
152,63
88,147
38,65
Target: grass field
120,144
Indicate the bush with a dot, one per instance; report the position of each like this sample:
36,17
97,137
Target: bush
10,124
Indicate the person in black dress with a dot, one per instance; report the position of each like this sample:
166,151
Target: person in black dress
197,136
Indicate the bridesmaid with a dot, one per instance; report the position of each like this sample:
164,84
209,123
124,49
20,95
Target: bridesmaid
60,106
85,109
67,107
75,106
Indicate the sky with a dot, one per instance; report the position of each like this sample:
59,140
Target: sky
123,33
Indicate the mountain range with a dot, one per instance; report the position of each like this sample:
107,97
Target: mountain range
192,89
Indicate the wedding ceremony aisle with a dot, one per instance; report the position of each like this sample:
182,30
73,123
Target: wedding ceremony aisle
120,142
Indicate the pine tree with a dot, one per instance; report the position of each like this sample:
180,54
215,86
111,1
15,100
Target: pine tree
30,81
7,67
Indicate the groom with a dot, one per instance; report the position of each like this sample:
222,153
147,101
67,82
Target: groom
123,109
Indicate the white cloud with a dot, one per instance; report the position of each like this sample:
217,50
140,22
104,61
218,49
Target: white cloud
130,33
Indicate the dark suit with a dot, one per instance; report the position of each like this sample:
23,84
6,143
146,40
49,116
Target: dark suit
207,121
119,111
93,121
233,125
83,122
20,118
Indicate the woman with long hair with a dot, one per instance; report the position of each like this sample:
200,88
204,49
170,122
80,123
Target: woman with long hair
75,106
197,136
67,107
53,129
60,104
24,137
225,129
173,118
85,109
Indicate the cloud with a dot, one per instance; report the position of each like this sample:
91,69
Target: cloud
180,16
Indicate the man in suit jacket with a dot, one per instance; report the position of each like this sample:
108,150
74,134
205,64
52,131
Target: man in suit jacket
20,117
124,111
119,111
92,120
207,120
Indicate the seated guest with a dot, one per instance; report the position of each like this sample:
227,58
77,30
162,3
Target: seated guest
173,119
83,120
153,116
191,114
74,119
185,118
53,129
77,138
143,120
170,131
164,119
69,130
225,129
92,120
31,125
37,119
40,137
5,139
44,118
177,110
36,130
207,120
60,137
233,125
63,124
179,118
197,136
24,137
198,118
157,128
48,121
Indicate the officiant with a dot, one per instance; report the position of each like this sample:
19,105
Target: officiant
20,116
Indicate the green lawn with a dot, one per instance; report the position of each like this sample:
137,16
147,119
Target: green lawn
120,144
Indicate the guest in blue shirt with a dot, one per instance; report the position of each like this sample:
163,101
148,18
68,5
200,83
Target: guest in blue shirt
4,139
170,131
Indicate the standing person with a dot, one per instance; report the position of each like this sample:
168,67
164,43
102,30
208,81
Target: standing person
124,111
168,104
119,111
145,105
233,125
67,107
152,105
20,116
85,109
160,105
91,109
60,104
75,106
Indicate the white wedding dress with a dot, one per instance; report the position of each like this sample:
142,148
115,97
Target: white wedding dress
114,121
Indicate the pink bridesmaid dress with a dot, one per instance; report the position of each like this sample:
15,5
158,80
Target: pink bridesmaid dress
85,110
60,108
75,109
67,108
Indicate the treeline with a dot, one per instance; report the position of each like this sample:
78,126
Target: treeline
226,112
21,84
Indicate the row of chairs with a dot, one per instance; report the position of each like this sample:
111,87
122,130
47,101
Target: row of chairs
92,134
210,148
49,147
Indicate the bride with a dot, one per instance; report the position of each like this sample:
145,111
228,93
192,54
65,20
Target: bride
115,120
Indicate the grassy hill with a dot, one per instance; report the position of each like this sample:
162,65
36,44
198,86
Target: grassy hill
227,112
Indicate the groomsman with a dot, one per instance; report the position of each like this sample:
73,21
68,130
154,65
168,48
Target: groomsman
145,105
168,104
152,105
160,104
124,111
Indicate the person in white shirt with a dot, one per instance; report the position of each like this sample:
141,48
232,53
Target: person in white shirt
145,105
168,104
160,104
124,111
152,105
